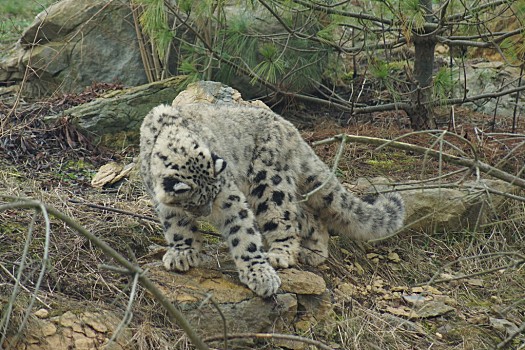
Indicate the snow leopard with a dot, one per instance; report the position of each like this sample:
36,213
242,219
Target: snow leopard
246,170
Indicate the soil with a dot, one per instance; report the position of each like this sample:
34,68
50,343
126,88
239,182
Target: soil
377,290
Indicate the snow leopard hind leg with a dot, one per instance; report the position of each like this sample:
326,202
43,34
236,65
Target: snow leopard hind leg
272,195
314,238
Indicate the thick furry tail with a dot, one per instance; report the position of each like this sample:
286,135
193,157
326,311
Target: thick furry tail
366,218
387,215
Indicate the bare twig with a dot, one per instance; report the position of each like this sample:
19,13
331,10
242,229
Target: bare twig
115,210
297,338
433,280
128,314
507,341
463,161
173,313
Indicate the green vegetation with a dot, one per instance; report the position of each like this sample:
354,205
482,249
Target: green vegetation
17,15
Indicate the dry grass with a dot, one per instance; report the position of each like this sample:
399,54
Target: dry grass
360,319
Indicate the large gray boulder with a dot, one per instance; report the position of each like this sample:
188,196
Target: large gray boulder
73,44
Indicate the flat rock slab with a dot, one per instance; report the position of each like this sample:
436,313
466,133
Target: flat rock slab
207,295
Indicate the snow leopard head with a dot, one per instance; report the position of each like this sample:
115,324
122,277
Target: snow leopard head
187,176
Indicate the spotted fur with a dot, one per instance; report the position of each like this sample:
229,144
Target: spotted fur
246,170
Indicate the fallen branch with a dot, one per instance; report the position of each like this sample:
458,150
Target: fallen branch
297,338
115,210
463,161
173,313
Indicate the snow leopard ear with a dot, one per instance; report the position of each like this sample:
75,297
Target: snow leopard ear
181,187
219,164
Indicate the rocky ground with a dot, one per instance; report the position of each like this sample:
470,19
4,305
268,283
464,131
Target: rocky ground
442,288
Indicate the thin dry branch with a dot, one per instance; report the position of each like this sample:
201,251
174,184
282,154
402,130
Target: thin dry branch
173,313
296,338
508,341
516,263
463,161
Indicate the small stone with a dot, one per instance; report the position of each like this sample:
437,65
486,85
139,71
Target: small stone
414,298
477,282
89,332
399,288
301,282
503,325
393,257
371,256
42,313
68,319
446,299
94,321
417,290
433,309
433,290
84,343
47,329
106,174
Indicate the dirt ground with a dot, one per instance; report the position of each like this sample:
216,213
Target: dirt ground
477,277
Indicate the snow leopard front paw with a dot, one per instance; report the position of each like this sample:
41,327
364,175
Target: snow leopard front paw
181,260
261,278
281,258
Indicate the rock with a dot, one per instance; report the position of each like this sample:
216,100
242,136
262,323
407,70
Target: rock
116,117
424,309
70,331
448,209
42,313
68,319
503,325
316,307
453,209
489,77
301,282
95,321
243,310
212,92
119,114
74,43
433,309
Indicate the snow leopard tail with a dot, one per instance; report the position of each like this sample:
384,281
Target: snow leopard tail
346,214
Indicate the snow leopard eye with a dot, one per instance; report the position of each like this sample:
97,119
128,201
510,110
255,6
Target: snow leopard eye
175,186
